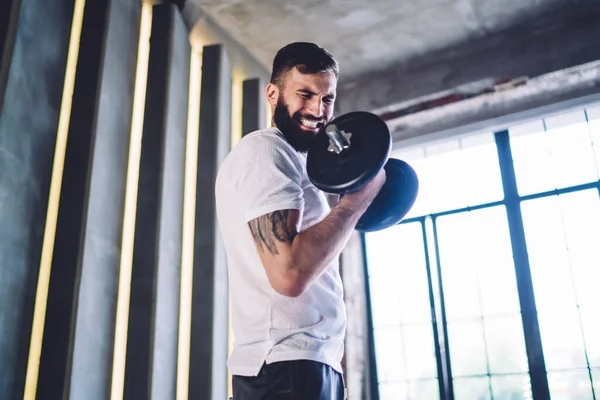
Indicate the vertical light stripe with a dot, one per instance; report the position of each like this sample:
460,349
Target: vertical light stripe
131,190
237,88
41,297
189,217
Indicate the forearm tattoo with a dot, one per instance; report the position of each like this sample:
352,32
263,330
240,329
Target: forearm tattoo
270,228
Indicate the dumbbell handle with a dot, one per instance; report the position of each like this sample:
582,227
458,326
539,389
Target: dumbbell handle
338,140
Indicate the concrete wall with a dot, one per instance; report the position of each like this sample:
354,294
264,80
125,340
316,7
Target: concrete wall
205,31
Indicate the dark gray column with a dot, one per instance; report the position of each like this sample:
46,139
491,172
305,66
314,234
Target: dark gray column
70,221
208,353
9,16
151,366
91,356
31,84
252,110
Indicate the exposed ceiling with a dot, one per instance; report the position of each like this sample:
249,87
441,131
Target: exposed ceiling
367,35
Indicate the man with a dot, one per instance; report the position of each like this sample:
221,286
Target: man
283,241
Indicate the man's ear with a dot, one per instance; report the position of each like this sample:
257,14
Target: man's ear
272,92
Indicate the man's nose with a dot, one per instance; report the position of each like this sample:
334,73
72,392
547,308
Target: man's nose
315,107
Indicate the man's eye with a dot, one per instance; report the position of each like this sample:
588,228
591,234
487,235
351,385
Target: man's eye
305,95
328,100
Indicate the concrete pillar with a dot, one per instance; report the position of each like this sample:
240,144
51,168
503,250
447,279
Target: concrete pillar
151,366
77,352
9,16
31,84
208,353
252,106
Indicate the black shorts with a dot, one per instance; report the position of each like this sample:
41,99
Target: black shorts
290,380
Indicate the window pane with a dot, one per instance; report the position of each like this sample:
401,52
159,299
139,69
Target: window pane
590,320
467,348
477,264
398,275
562,340
580,213
448,178
472,389
596,377
393,391
389,354
548,255
420,352
424,390
389,250
562,234
531,158
570,385
505,344
511,387
557,157
385,302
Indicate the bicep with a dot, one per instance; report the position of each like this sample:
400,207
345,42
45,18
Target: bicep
273,234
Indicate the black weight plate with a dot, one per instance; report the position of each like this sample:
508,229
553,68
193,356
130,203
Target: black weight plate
394,200
348,171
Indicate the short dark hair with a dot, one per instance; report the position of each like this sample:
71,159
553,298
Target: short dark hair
308,58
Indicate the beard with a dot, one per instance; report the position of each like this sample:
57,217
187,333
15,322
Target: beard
289,125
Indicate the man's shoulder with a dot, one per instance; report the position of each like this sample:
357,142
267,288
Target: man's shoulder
270,137
263,143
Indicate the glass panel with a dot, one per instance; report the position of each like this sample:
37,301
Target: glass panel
393,391
397,246
548,256
571,148
467,348
498,286
590,320
385,302
448,178
580,213
472,389
424,390
398,275
505,344
531,158
596,377
420,352
570,385
477,264
511,387
389,354
560,157
562,339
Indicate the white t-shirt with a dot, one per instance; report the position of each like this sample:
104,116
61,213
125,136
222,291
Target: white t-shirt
263,174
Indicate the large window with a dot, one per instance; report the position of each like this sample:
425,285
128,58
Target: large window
447,292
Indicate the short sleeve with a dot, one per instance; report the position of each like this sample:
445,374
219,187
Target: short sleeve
270,177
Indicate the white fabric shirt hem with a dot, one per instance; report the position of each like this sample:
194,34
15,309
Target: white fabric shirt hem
304,355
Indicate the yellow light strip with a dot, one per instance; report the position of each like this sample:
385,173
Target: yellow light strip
131,190
237,88
189,217
41,297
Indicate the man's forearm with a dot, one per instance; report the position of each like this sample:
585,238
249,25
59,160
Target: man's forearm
315,248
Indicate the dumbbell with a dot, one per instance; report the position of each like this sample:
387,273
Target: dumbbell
348,152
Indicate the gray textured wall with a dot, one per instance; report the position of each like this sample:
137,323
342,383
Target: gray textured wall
28,127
